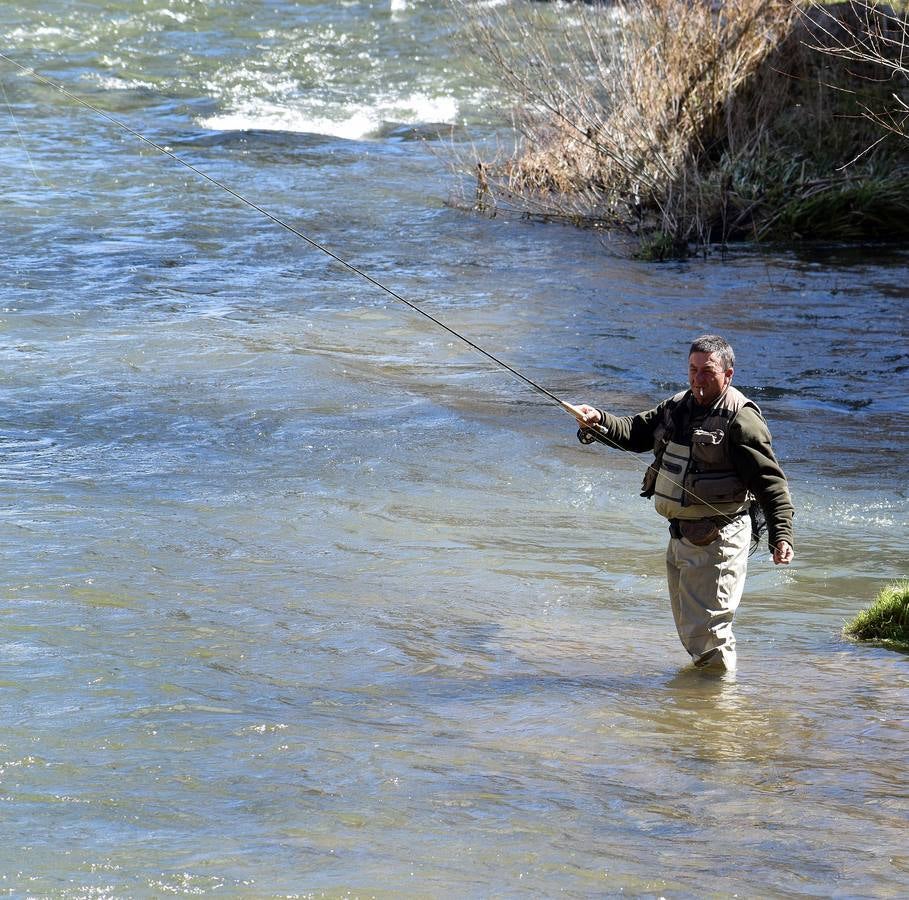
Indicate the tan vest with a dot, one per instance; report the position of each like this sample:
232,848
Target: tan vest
697,479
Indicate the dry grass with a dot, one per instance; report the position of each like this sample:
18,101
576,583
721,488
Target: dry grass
684,126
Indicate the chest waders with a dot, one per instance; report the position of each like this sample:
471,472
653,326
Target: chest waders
695,485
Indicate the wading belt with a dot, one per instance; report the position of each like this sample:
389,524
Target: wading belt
702,532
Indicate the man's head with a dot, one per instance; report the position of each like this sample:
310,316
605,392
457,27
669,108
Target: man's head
711,363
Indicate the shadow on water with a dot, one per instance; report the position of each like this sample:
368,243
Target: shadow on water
847,255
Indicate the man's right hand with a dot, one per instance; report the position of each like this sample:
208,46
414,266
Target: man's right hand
586,415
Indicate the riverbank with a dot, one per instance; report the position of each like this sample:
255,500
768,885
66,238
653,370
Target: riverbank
698,129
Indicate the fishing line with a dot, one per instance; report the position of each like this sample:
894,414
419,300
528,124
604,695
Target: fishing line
28,155
600,432
284,224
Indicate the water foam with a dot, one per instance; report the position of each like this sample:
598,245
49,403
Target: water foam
351,121
357,123
116,83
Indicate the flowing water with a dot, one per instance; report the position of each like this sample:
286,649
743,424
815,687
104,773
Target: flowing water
302,597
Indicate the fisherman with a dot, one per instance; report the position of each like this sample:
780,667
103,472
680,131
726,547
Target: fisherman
713,460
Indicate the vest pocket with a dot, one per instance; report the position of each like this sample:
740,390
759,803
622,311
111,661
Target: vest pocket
673,468
709,448
717,487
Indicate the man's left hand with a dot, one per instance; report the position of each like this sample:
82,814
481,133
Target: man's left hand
783,553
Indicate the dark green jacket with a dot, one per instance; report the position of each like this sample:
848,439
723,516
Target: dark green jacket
750,450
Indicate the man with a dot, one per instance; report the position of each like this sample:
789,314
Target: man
713,459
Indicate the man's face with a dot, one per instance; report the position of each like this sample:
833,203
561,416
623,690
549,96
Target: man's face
707,378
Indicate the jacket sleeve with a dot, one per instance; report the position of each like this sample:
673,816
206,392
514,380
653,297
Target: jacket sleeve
754,459
631,433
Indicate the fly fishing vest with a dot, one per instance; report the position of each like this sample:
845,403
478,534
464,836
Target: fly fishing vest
692,475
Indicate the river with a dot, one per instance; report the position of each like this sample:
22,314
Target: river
303,597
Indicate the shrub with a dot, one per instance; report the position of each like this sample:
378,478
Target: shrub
879,42
688,123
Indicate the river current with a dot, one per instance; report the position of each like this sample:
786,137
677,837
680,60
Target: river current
303,597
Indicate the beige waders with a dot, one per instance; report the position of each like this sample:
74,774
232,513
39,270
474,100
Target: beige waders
705,587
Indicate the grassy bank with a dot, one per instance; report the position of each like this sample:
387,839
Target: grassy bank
686,128
886,620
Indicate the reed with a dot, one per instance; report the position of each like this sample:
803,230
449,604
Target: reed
686,127
886,620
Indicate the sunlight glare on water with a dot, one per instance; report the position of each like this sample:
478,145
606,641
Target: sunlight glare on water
303,596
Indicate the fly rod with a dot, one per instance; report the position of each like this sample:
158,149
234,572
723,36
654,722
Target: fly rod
600,433
572,410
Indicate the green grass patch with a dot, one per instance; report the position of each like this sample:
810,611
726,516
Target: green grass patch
886,620
661,246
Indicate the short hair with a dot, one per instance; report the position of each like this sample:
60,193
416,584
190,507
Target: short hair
713,343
